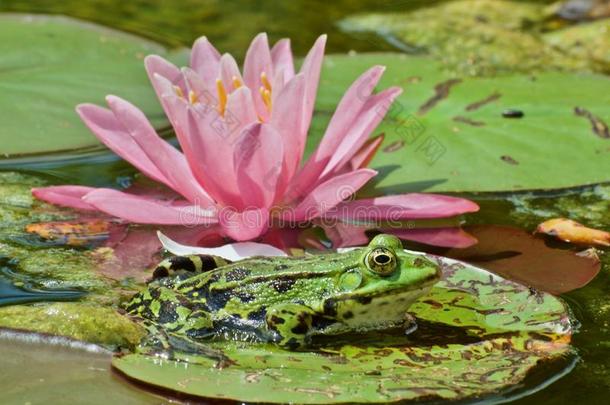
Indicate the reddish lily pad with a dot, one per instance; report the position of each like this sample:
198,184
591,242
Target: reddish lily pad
478,335
517,255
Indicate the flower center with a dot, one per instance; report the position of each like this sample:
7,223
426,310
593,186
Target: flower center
265,91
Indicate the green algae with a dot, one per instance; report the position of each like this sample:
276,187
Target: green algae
90,323
478,37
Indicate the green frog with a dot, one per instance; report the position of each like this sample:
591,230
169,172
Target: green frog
285,300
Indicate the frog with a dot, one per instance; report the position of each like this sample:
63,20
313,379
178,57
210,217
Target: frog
285,301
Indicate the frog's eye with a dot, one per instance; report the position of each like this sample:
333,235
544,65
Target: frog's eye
381,261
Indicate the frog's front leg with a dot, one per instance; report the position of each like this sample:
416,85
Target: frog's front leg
292,323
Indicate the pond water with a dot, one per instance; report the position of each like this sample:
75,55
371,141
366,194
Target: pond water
230,25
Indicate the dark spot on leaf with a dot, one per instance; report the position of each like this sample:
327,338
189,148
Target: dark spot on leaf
598,126
468,121
348,315
478,104
509,160
326,368
281,267
394,146
512,113
441,91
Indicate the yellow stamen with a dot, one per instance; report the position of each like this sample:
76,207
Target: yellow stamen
265,81
192,97
266,95
222,97
178,91
236,82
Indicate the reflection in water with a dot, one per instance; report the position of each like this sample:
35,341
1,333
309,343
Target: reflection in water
45,370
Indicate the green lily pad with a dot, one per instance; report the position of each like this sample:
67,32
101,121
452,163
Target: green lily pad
478,335
50,64
448,134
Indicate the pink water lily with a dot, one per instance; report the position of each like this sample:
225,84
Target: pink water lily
242,137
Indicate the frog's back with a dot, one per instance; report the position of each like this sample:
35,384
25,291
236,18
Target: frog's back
249,285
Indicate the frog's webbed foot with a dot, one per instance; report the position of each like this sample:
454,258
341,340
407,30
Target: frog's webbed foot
187,266
292,324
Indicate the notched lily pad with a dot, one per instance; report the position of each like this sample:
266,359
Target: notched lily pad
478,335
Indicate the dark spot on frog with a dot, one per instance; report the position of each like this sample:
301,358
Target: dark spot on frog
258,315
598,126
348,315
509,160
282,284
394,146
167,312
207,262
214,277
276,320
182,263
237,274
218,299
160,272
419,262
364,300
301,328
512,113
292,344
330,307
244,296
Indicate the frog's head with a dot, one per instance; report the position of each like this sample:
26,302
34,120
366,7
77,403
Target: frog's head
384,284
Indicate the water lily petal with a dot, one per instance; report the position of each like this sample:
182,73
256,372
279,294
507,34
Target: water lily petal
240,112
258,61
229,71
245,225
66,196
205,60
156,65
142,210
112,133
170,162
404,206
312,65
344,235
329,194
231,251
258,158
345,115
445,237
281,55
287,118
366,153
370,116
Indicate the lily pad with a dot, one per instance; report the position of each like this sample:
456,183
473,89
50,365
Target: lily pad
50,64
448,134
478,335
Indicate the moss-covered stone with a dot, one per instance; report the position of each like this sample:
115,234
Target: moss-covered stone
90,323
